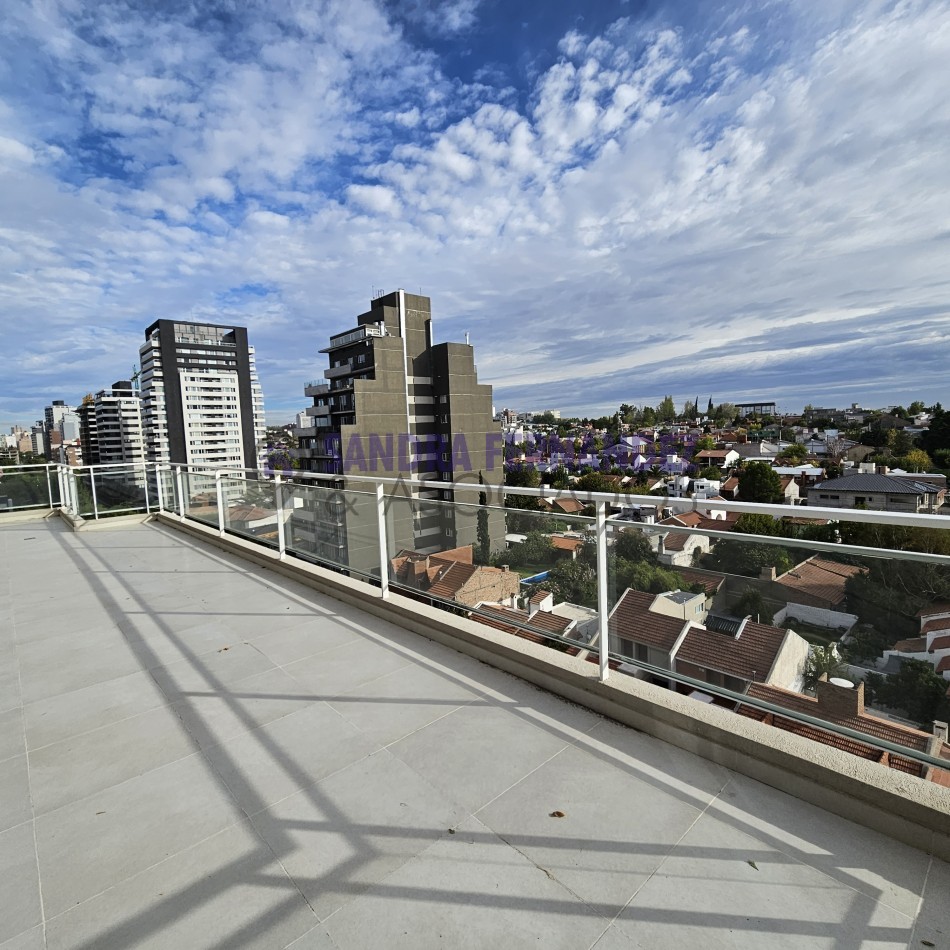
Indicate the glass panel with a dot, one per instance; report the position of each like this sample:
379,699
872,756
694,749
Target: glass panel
22,487
82,480
333,526
119,490
537,583
250,509
846,623
201,498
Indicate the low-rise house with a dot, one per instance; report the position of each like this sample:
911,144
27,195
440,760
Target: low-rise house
667,631
721,458
451,575
844,706
878,493
933,643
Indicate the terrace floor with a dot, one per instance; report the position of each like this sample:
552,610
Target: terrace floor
195,752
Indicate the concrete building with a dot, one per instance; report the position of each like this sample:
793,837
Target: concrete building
119,434
394,403
201,399
62,418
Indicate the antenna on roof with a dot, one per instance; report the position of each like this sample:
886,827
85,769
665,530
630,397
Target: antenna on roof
466,337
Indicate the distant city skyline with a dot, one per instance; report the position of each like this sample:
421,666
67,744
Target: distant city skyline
616,204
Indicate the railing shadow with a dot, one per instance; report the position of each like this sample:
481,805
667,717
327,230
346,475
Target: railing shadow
342,878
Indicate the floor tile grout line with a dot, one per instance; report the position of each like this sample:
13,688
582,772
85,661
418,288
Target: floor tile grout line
781,849
29,783
155,864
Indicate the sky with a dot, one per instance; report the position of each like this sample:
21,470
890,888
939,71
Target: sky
616,200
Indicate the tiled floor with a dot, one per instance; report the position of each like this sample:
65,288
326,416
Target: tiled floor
196,753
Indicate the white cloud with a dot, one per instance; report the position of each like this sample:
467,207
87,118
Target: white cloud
660,208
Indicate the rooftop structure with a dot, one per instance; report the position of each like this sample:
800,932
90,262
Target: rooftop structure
210,753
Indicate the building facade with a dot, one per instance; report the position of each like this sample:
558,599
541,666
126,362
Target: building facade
394,403
201,400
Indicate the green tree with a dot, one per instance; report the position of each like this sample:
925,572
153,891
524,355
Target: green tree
916,407
482,536
752,604
822,660
917,460
705,444
666,411
759,482
794,454
632,545
917,689
574,582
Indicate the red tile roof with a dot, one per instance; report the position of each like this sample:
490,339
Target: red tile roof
510,617
820,580
937,607
751,656
931,625
944,665
632,619
862,722
711,584
452,579
913,645
567,544
940,643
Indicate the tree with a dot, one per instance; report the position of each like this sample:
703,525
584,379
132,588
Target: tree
919,690
822,661
574,582
917,460
632,545
752,604
483,538
705,443
545,418
794,453
915,407
759,482
666,411
937,435
709,408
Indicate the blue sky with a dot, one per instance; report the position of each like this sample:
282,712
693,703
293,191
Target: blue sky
640,198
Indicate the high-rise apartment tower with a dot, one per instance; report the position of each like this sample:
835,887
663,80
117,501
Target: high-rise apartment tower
201,399
397,404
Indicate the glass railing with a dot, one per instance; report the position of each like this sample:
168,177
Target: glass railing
832,624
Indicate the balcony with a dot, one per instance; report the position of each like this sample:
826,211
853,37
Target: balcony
360,772
316,388
354,336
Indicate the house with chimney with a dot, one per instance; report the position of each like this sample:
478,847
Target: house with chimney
842,704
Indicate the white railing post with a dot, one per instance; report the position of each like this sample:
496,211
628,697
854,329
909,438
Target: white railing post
49,489
383,544
148,504
279,500
602,607
220,493
92,488
179,487
73,491
159,490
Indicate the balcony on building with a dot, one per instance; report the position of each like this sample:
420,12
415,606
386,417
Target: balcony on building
210,737
354,336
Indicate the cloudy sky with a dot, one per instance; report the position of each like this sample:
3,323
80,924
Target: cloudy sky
695,198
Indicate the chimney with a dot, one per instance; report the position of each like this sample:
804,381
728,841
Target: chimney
837,700
505,568
767,574
940,731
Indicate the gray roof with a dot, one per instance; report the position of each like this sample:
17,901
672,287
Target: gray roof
878,483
